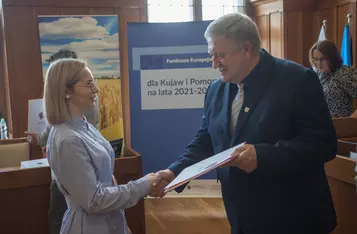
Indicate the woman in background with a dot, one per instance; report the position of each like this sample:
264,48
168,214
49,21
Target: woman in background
339,82
81,159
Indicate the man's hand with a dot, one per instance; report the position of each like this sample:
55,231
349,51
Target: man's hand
162,179
245,158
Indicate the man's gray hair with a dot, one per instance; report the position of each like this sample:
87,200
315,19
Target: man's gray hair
235,26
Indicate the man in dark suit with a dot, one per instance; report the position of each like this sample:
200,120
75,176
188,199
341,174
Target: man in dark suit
276,183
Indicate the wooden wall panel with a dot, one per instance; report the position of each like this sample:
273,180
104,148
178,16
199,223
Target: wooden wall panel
281,22
127,15
293,38
296,43
48,11
276,34
298,5
4,81
263,26
323,4
75,11
143,14
101,11
316,26
306,37
265,7
269,19
24,63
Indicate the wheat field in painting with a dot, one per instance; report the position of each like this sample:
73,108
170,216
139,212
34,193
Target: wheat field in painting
110,103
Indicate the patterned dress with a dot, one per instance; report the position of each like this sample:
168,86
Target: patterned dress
340,89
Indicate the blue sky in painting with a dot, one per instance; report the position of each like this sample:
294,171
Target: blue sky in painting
94,38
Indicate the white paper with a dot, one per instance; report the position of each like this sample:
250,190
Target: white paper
203,166
37,121
43,162
353,155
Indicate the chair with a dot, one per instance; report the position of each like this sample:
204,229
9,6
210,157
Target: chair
13,151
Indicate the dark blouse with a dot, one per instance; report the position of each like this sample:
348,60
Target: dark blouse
340,89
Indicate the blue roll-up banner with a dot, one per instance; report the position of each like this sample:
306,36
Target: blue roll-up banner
169,72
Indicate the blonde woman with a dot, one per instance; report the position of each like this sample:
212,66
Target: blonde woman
58,206
81,160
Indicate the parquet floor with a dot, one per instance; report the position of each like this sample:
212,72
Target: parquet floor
186,216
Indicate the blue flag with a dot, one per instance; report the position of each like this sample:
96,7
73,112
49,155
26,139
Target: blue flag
346,50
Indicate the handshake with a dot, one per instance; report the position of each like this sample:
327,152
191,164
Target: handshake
159,181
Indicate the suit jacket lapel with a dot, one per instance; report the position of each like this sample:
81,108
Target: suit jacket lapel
254,87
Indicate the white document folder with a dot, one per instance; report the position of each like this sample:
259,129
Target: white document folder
37,121
201,168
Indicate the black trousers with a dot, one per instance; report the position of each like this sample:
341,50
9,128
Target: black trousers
57,208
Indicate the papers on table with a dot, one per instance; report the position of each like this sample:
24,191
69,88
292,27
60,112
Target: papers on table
43,162
353,155
37,121
201,168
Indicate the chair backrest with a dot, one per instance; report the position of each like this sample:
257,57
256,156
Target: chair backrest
13,152
346,127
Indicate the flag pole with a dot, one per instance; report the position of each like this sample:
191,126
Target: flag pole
324,22
349,16
346,52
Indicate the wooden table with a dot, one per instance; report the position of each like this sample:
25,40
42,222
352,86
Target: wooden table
24,197
340,174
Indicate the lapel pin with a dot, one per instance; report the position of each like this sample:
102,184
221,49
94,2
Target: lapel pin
246,109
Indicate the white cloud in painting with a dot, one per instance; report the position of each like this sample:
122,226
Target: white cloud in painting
98,70
107,43
112,61
51,48
92,42
70,27
101,66
111,56
104,69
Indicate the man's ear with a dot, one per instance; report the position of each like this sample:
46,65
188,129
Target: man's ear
247,47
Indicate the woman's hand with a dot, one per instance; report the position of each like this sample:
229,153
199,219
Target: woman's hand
33,137
114,180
